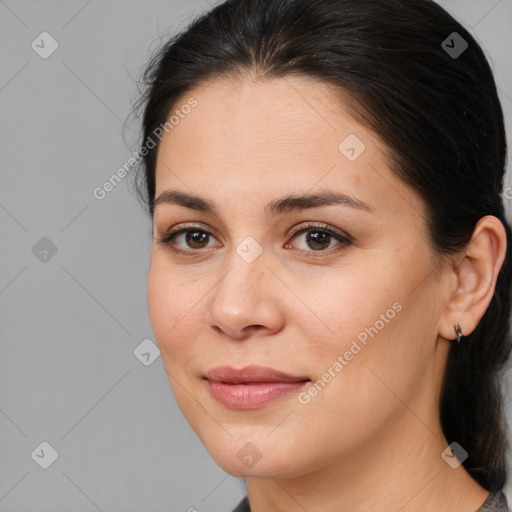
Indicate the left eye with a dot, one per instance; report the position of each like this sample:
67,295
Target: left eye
319,239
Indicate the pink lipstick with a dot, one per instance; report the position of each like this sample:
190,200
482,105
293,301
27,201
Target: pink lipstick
251,387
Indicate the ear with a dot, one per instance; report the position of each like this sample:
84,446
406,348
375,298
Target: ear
475,278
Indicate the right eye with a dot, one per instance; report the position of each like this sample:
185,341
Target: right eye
186,240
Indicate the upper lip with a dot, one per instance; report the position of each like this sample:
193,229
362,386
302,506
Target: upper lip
252,373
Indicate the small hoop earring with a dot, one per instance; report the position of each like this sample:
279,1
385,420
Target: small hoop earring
458,332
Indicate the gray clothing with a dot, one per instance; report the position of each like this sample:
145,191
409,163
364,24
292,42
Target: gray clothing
495,502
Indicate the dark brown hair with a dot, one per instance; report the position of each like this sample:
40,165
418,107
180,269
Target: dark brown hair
437,112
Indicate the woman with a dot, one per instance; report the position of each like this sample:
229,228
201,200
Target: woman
330,280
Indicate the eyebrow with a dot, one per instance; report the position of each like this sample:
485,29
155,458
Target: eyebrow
277,207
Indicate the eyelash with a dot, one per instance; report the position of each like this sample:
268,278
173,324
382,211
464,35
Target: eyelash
344,240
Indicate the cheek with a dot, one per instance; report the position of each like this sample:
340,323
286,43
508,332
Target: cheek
163,312
364,317
174,322
351,308
171,307
376,355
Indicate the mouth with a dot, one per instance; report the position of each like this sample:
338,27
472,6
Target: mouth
251,387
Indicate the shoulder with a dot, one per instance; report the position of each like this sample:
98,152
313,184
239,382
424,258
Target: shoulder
243,506
496,502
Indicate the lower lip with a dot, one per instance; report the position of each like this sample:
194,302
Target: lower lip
252,396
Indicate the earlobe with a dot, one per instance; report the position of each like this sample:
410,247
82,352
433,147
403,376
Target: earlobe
476,277
458,333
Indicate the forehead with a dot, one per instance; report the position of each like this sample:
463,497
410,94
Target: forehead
263,110
291,133
246,122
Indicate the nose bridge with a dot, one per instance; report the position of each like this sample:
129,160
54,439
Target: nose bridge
242,298
245,270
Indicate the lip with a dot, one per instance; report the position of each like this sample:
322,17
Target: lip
251,387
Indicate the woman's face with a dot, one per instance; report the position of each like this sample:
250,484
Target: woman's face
341,294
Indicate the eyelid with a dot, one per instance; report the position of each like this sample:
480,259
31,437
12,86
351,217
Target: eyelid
297,229
187,226
321,226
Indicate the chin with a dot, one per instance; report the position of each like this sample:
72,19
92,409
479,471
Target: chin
252,443
253,465
248,454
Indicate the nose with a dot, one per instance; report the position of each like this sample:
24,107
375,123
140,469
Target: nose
247,300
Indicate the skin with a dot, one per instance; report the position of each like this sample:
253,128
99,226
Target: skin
371,438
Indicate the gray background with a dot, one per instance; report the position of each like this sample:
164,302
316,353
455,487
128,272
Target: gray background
70,321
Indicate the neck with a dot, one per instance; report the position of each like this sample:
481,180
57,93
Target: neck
400,467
